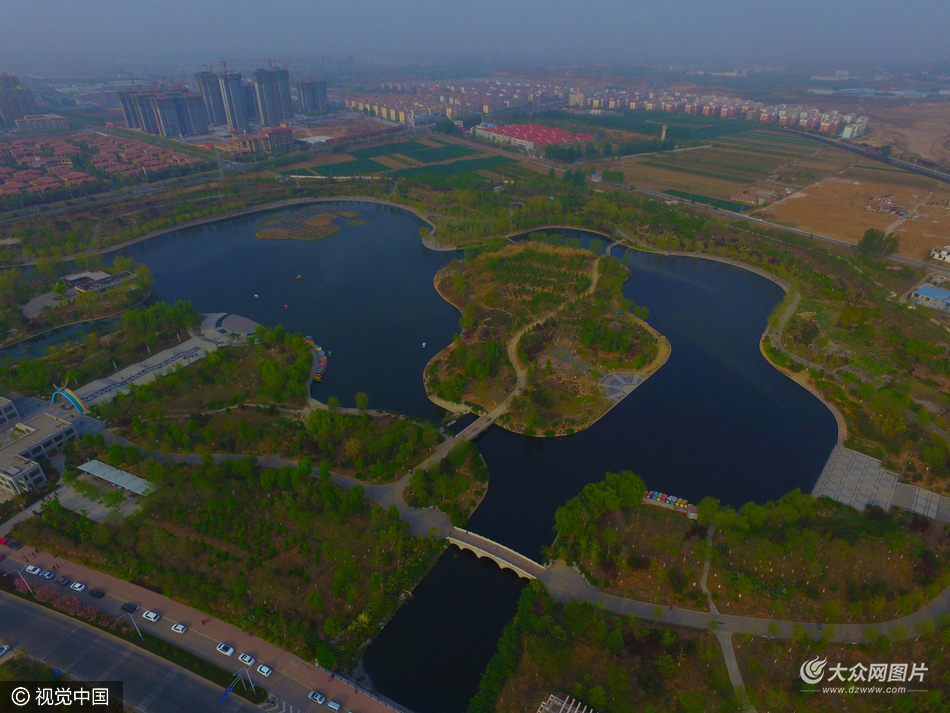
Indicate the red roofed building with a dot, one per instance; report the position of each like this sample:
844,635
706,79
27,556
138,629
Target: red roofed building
530,137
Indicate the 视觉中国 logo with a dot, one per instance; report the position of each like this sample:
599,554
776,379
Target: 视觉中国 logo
813,671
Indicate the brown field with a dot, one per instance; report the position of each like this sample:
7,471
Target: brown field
337,128
837,208
398,161
922,128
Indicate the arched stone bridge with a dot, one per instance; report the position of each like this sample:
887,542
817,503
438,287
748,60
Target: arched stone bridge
502,556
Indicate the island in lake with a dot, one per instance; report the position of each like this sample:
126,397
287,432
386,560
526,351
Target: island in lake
548,343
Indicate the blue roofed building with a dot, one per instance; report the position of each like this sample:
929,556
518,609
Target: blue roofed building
933,297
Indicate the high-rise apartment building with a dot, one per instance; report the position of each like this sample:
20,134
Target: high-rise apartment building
192,114
144,113
233,99
210,90
250,101
16,101
312,94
272,95
8,81
165,109
129,114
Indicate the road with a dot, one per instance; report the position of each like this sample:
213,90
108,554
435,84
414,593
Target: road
292,679
151,684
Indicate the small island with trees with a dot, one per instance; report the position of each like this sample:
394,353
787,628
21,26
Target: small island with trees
548,343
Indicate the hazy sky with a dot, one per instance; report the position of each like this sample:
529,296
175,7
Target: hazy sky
682,31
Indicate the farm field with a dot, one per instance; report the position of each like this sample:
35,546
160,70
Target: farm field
748,161
844,207
395,156
456,167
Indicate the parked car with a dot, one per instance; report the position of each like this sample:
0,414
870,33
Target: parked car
265,671
225,649
247,659
129,608
317,696
62,581
33,569
46,574
4,540
77,586
151,616
4,649
14,545
333,706
96,593
179,628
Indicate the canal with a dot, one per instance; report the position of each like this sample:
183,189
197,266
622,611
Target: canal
716,419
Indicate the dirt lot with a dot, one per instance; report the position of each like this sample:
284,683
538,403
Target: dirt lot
922,128
838,208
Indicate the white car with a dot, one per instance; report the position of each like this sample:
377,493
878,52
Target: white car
77,586
247,659
225,649
179,628
46,574
264,670
4,649
33,569
317,696
151,616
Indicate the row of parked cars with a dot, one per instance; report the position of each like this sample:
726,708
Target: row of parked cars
320,699
148,615
245,659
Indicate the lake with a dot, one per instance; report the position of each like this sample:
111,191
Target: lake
717,419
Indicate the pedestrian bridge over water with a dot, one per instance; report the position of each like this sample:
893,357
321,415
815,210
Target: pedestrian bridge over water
502,556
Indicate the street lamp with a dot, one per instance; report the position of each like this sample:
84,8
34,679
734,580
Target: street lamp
132,619
20,572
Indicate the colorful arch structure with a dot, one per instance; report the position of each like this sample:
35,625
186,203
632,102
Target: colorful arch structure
62,391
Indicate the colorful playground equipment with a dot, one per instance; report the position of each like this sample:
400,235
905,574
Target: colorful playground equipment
62,391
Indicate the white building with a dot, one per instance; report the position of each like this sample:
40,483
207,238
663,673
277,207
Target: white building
941,253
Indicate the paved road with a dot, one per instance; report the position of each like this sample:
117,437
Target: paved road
151,684
292,679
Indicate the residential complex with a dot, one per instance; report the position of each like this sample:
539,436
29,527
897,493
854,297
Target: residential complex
530,137
42,124
170,114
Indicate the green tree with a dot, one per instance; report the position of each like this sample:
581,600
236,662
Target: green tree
876,242
362,400
333,403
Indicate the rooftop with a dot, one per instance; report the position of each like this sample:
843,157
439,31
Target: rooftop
933,292
24,435
137,485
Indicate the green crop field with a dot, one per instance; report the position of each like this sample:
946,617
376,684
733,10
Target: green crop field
402,147
438,153
359,167
715,202
451,169
699,172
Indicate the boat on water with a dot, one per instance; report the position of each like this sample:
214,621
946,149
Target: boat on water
322,357
257,297
299,277
423,345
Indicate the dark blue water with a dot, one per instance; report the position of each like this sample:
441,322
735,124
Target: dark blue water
366,294
716,419
39,346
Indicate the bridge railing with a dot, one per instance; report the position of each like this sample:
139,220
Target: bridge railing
515,556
